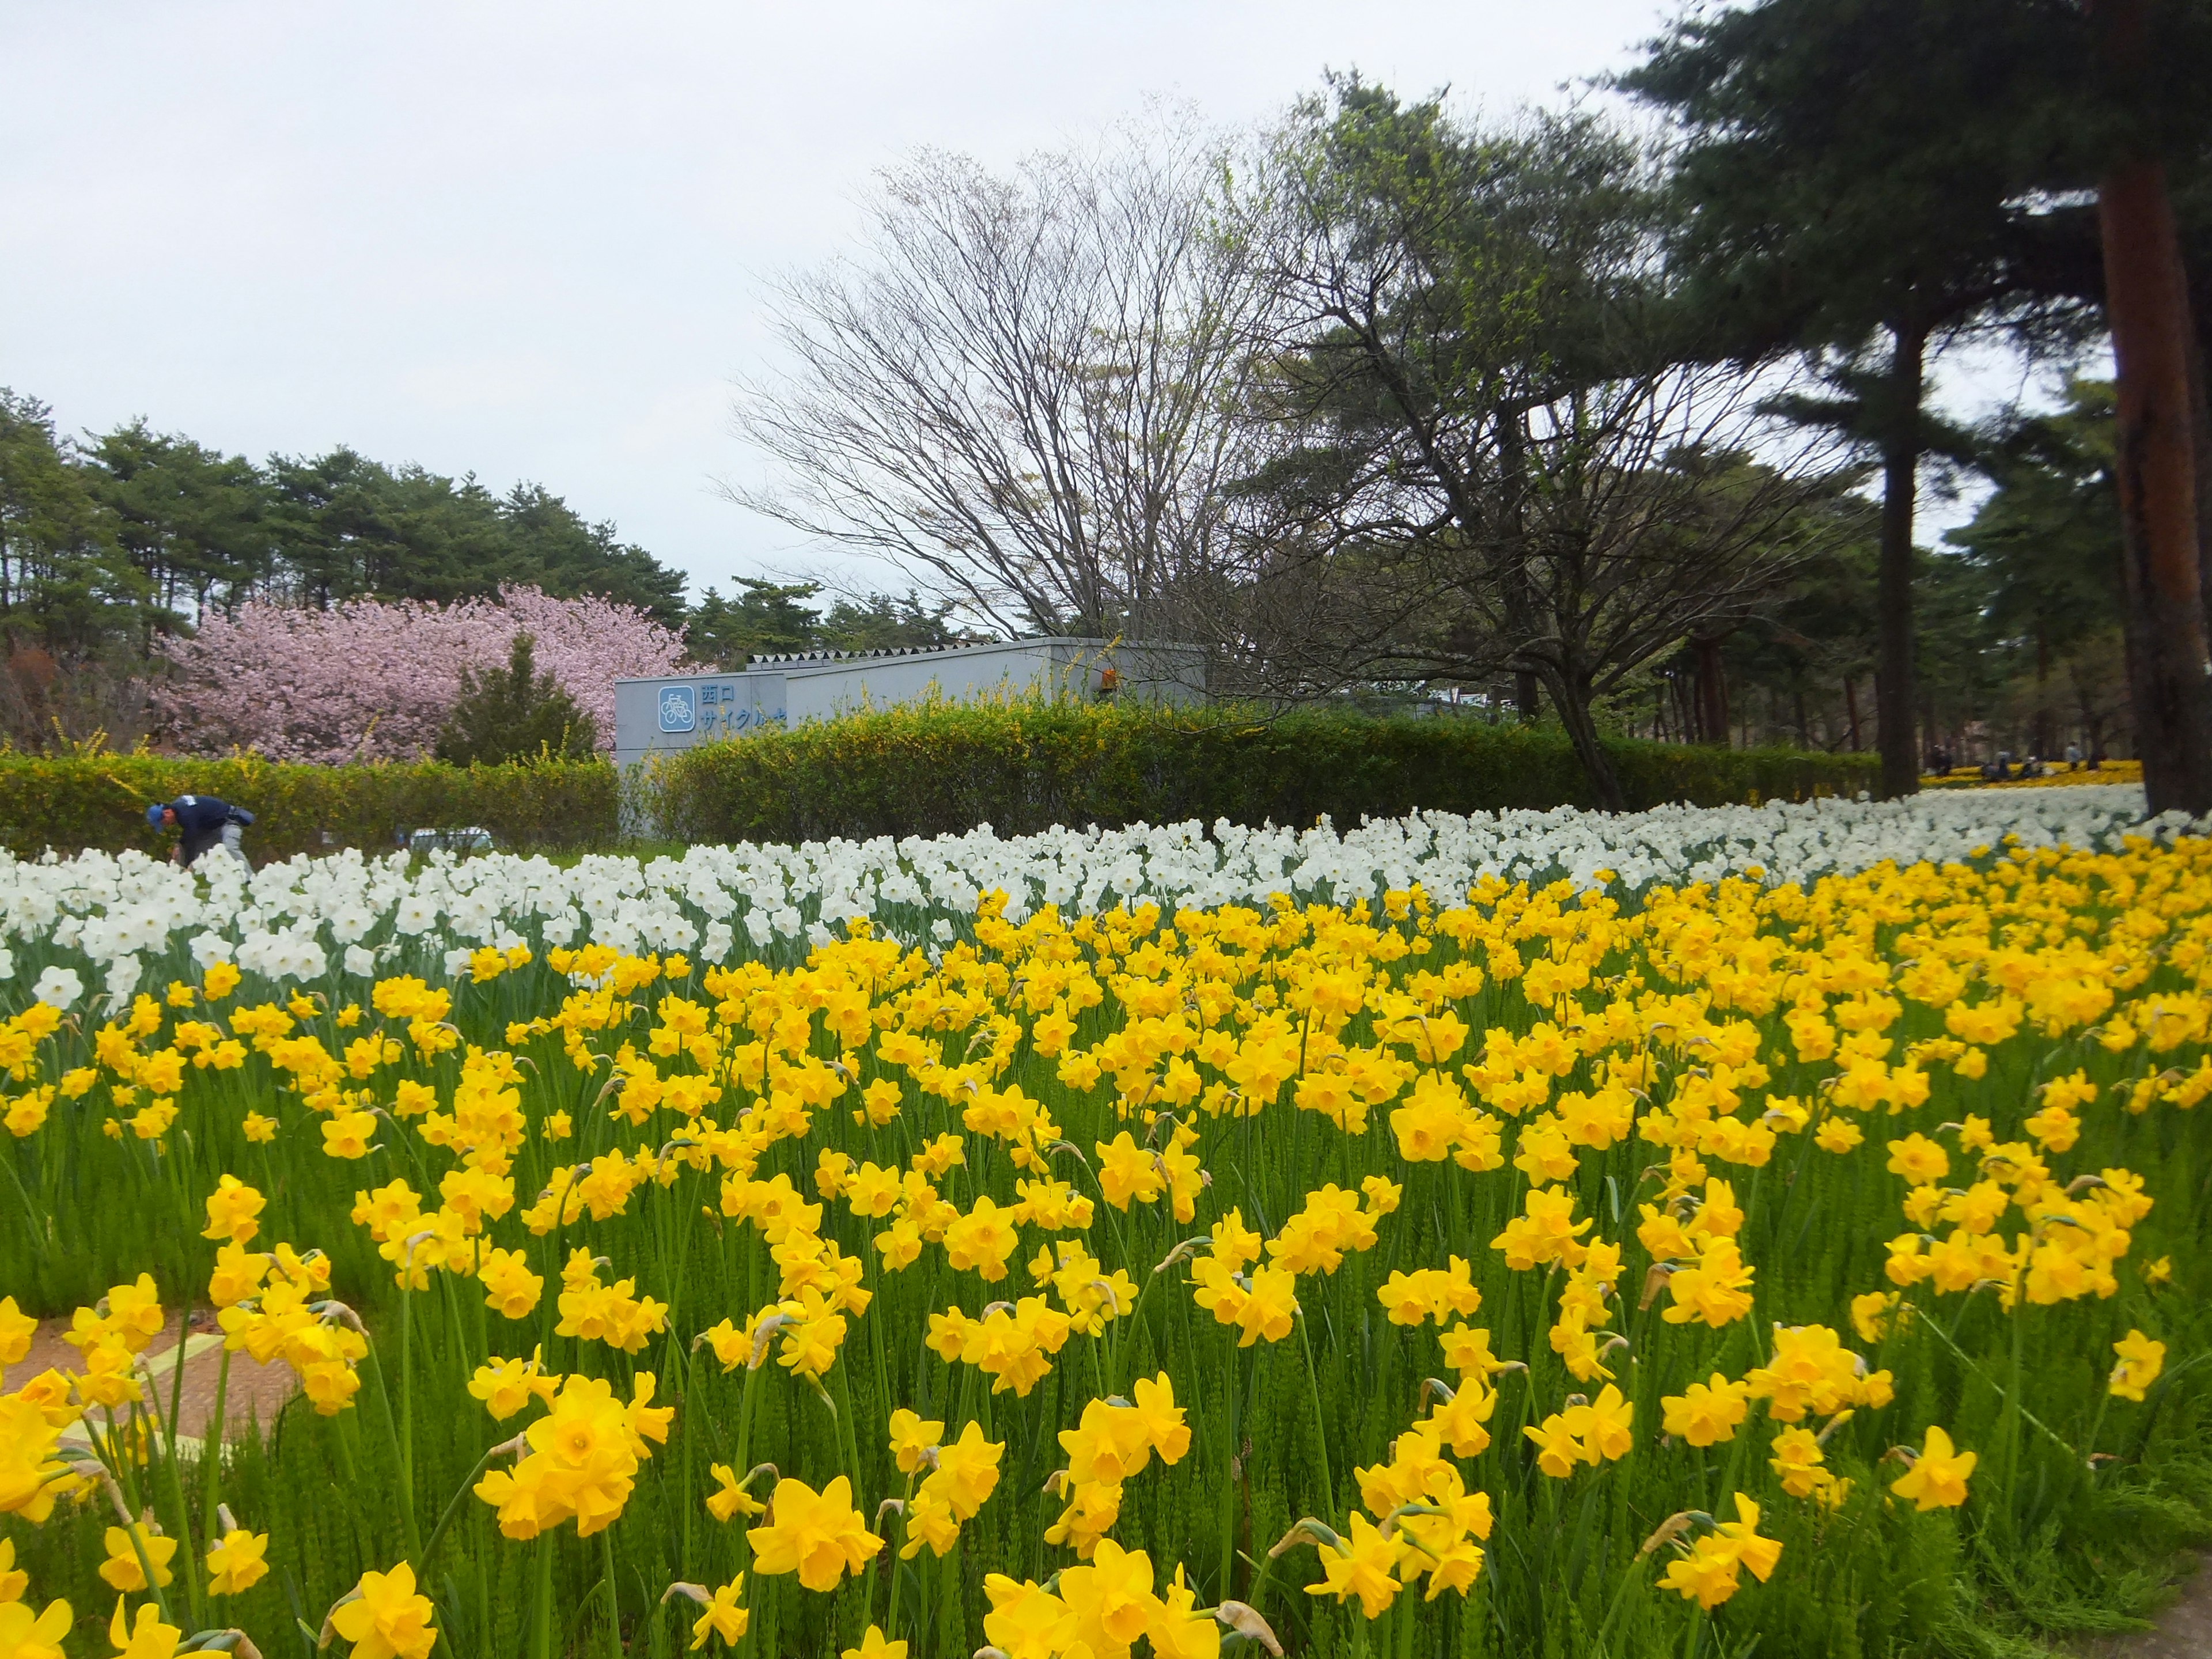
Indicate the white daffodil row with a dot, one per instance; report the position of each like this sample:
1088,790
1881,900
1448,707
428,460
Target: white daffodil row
118,918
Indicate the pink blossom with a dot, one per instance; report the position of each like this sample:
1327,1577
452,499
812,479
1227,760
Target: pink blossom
375,680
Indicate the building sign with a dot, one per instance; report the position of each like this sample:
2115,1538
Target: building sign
678,713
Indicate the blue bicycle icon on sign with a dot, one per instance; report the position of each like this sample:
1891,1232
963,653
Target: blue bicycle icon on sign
679,711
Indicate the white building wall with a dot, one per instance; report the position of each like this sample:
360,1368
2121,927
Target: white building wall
660,716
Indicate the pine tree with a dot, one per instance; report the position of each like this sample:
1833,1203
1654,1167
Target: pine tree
1877,176
1845,179
515,714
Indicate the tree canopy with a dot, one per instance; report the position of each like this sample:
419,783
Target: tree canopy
135,533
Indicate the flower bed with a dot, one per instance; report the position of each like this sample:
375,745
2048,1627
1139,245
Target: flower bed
2059,775
1495,1234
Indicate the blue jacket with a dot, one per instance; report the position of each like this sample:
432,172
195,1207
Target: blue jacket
200,820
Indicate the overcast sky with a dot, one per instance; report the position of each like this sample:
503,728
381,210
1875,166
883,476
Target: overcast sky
528,241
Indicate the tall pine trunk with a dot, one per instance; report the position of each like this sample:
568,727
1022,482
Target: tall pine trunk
2200,427
2044,722
1712,693
2147,308
1895,701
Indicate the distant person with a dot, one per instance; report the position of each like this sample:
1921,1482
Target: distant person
202,823
2073,756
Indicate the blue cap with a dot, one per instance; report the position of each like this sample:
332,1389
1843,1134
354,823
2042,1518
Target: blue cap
154,813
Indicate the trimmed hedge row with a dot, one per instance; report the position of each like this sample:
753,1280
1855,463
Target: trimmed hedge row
919,770
927,770
75,801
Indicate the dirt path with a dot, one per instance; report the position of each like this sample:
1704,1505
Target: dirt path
255,1392
2183,1630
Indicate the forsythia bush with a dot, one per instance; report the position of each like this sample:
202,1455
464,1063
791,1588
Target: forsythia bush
1578,1270
1024,766
69,802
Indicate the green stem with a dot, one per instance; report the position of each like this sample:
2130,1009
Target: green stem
407,1477
421,1562
851,1439
2097,1423
1629,1579
37,1228
2010,1398
1229,1471
890,1619
2013,1399
921,1621
745,1463
407,1392
176,1477
119,1463
614,1601
1123,1333
132,1531
1320,1428
211,1449
541,1621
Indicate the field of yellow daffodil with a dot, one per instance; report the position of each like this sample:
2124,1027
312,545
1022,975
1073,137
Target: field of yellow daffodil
2059,775
1570,1269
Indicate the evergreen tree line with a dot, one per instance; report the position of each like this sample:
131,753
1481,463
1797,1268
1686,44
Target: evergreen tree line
2018,616
112,542
131,533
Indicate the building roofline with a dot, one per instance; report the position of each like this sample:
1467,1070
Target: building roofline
818,661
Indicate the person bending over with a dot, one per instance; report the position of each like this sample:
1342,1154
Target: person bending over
203,823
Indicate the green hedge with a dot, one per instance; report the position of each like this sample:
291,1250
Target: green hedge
925,770
74,801
920,770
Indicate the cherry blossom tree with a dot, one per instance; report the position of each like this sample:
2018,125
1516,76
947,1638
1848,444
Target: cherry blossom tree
375,680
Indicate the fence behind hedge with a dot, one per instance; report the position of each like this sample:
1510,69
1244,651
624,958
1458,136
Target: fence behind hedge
68,802
1021,768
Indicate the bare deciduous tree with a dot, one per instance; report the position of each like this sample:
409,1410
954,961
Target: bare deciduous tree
1024,391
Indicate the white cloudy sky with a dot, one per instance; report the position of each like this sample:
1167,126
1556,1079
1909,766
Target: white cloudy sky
528,241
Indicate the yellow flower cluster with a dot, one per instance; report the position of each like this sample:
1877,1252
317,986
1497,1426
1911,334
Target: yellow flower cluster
961,1477
1115,1440
582,1456
1602,1106
1101,1606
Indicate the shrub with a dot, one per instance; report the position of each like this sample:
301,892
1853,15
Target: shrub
98,800
515,714
926,770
